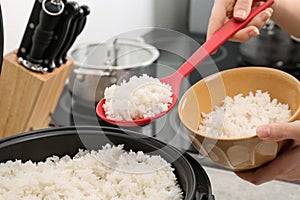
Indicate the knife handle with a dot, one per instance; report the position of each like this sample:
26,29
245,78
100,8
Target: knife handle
79,26
70,11
79,29
48,19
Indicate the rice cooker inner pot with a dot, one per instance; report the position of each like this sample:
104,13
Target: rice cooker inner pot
99,65
38,145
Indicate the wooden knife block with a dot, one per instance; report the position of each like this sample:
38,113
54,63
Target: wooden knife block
28,98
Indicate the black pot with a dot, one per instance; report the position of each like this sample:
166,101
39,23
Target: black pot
38,145
273,47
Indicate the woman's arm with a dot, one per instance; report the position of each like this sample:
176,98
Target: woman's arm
287,15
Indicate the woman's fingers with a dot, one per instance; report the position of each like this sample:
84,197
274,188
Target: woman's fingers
242,9
245,34
280,131
252,29
286,165
222,11
262,18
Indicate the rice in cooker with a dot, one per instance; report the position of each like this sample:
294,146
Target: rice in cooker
140,97
109,173
241,115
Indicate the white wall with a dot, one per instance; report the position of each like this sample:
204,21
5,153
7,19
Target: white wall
108,18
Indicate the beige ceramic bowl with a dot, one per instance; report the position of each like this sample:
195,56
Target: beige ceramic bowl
240,153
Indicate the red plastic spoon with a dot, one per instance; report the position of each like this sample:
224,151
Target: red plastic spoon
174,80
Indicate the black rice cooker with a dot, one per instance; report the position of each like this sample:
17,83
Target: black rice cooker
38,145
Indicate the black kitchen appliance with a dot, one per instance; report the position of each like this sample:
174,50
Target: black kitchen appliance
38,145
273,47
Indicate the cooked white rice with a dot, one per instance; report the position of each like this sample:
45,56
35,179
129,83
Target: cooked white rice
241,115
121,176
140,97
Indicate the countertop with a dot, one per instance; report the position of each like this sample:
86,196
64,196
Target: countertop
226,185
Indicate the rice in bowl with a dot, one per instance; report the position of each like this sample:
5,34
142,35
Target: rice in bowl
119,175
239,116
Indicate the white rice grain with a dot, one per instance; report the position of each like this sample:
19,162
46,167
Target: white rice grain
240,116
140,97
122,176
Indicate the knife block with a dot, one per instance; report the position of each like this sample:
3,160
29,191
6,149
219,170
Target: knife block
28,98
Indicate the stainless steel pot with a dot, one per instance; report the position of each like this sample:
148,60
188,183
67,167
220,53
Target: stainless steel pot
273,47
99,65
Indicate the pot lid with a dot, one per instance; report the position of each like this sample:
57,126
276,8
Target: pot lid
120,53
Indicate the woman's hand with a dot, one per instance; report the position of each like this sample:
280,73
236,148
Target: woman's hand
286,165
223,10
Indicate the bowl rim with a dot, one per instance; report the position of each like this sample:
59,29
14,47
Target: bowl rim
251,68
